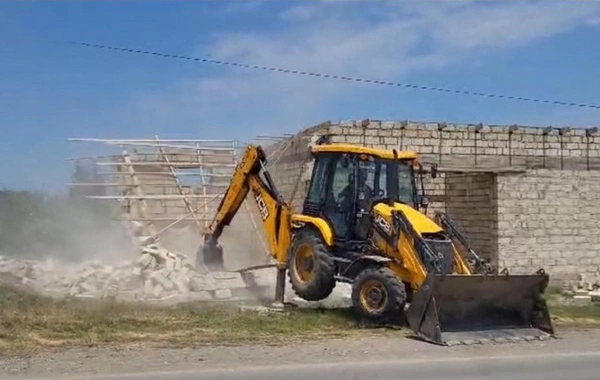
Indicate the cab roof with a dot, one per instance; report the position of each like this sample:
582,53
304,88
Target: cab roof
357,149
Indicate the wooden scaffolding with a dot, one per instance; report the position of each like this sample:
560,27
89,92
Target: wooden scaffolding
166,184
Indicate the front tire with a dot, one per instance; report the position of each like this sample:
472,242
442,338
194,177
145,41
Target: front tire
378,296
311,269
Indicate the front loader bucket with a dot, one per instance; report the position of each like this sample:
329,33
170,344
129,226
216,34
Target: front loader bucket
467,309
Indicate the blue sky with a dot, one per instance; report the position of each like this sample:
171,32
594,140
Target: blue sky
50,90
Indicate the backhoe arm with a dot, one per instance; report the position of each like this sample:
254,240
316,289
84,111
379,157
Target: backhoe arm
274,211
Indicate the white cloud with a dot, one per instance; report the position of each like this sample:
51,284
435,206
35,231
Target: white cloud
242,6
379,40
300,12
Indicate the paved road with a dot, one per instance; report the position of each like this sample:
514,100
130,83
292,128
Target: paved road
559,366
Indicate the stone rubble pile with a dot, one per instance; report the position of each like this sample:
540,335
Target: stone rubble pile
584,290
157,275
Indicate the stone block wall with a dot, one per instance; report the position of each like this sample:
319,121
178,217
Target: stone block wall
550,219
450,146
520,221
471,201
290,161
476,144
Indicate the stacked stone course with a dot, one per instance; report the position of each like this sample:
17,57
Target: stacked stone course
526,197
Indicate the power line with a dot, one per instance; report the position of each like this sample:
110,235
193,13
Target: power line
339,77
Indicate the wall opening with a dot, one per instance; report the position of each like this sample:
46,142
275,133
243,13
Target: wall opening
471,201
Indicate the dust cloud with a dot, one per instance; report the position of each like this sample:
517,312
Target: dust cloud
75,246
244,246
70,232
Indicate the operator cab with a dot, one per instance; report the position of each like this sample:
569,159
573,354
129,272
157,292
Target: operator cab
347,181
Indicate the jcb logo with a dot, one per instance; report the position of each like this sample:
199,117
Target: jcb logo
384,224
262,205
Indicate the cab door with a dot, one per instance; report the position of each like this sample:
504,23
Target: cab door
332,191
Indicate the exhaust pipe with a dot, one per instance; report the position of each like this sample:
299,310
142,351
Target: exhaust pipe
468,309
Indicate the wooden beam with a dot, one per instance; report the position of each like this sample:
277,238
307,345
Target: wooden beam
481,169
151,145
159,163
142,206
146,154
117,184
161,219
83,139
152,197
167,174
187,203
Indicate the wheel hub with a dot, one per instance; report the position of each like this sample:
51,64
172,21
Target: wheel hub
373,296
304,264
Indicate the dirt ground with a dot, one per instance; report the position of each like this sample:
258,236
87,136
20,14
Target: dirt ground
136,359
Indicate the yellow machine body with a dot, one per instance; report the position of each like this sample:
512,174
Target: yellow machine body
363,223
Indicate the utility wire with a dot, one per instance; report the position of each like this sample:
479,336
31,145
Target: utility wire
339,77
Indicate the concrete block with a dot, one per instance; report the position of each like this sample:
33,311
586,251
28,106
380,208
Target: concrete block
178,264
168,273
200,283
181,285
186,271
170,264
223,293
228,280
157,290
164,282
58,293
148,286
89,287
582,300
202,296
595,296
144,239
85,295
265,277
173,299
88,272
74,290
145,260
127,296
111,292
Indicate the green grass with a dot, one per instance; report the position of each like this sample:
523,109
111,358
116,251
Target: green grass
29,321
566,313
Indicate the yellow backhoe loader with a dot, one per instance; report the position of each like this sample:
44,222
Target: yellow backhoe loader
361,224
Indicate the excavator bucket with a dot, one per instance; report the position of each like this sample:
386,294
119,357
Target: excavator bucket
468,309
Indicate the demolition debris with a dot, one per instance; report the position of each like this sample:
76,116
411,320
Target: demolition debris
157,276
583,290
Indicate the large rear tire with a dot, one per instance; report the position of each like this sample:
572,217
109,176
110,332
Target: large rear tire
378,296
311,269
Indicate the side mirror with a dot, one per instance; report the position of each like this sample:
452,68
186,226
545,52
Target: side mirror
434,171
